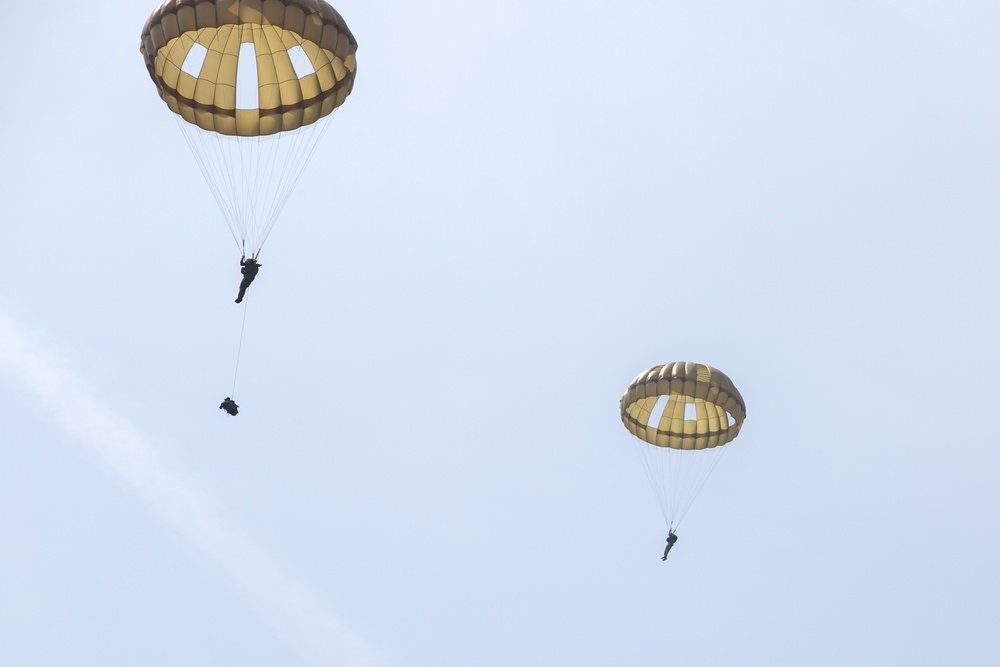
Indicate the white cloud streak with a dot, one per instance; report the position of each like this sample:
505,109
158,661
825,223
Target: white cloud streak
320,637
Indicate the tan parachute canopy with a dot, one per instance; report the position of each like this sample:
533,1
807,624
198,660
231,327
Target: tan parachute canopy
715,418
304,52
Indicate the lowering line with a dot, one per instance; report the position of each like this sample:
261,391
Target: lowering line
239,349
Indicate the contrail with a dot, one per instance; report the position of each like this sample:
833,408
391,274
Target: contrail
318,635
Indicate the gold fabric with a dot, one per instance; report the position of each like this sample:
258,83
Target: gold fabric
713,394
274,27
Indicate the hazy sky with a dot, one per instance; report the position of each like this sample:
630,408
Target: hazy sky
520,208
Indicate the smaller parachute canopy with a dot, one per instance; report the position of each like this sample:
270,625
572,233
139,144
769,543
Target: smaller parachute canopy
249,67
701,407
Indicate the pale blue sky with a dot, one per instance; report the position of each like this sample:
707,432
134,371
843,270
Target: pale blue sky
519,208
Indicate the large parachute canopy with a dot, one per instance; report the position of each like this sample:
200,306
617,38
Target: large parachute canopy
682,415
252,83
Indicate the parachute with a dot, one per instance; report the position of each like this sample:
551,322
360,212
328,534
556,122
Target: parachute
682,415
253,84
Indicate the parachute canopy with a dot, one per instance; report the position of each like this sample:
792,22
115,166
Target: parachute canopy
196,50
714,418
682,415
